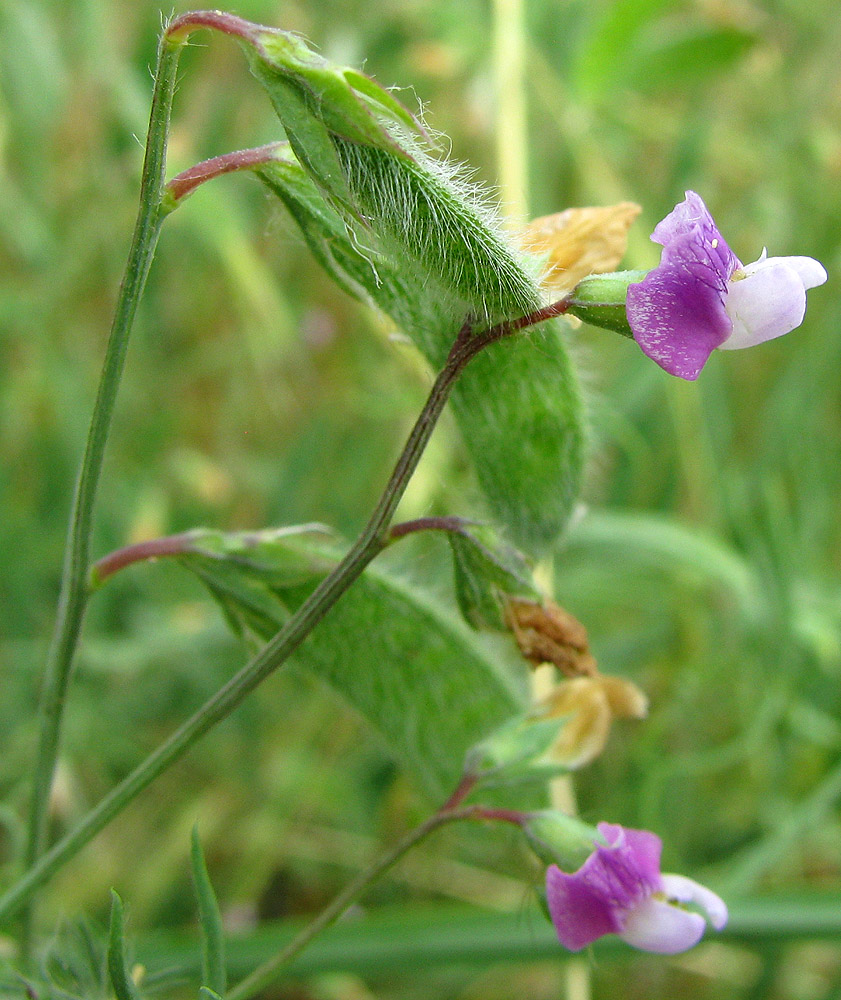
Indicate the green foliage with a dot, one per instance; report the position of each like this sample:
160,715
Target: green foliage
604,53
531,473
73,966
213,975
411,670
440,257
258,394
377,174
121,981
485,571
321,105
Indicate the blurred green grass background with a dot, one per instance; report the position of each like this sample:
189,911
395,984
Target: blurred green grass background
256,394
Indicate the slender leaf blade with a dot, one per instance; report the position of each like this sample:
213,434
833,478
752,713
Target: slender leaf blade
210,920
123,985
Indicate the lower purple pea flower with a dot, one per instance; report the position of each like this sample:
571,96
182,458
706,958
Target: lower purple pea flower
701,297
619,890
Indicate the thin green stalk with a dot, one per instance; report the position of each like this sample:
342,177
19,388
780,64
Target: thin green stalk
509,60
266,973
371,541
74,585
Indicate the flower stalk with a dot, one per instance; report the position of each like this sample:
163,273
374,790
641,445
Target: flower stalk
266,973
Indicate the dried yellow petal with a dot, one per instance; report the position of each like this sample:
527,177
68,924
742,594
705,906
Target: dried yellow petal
585,733
626,700
580,241
590,704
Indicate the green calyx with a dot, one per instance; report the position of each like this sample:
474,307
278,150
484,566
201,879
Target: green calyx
559,839
600,300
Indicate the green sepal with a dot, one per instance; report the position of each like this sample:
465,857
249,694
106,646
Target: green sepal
430,223
325,231
517,743
310,138
349,103
121,982
485,569
600,300
214,976
429,250
559,839
361,147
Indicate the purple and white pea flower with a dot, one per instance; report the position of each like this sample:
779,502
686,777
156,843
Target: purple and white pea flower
619,890
701,296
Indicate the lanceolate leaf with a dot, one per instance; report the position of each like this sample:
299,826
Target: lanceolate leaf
210,920
413,671
121,982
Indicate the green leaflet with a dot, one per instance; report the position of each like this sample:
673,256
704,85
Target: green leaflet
118,971
485,570
518,403
415,673
214,978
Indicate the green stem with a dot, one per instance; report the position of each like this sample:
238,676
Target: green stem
266,973
74,584
371,541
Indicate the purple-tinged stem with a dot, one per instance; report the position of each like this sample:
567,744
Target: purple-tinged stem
514,816
170,545
462,790
187,181
538,316
453,524
217,20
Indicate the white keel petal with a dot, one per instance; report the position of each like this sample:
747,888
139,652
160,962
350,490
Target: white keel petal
658,926
765,300
686,890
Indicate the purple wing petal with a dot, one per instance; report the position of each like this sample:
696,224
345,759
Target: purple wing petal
684,216
639,849
611,883
691,216
626,871
677,315
677,312
581,914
